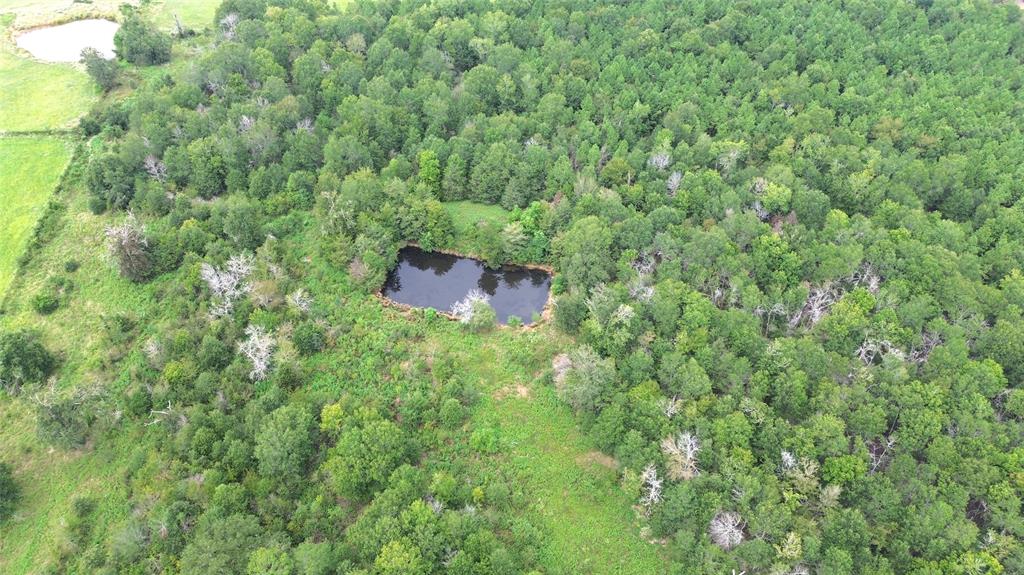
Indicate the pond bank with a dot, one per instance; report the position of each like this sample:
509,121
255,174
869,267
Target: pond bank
65,42
438,279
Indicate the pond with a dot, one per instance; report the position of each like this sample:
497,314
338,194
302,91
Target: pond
65,43
436,280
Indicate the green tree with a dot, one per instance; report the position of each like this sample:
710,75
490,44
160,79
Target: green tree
430,171
365,455
140,42
584,253
23,360
102,70
221,545
453,186
284,443
491,174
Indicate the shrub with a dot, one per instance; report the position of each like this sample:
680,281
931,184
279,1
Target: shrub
309,338
9,492
45,303
452,413
71,266
23,360
484,317
514,321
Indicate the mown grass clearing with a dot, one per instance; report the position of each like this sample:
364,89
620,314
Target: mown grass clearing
33,13
36,95
30,167
195,14
465,217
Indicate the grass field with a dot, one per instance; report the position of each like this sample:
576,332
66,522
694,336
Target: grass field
466,216
30,167
32,13
35,535
36,96
196,14
30,539
574,495
39,96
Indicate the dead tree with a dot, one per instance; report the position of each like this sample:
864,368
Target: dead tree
681,452
128,245
229,284
258,349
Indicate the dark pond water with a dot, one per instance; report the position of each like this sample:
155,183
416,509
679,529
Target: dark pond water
431,279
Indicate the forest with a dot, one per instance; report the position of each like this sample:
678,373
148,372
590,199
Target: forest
786,334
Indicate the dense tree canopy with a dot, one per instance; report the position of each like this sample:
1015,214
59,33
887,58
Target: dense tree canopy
788,238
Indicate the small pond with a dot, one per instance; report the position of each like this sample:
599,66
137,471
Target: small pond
65,43
432,279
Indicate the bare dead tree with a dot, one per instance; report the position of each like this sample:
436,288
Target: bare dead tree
872,348
228,284
464,308
155,168
622,315
670,406
228,25
880,452
788,460
650,488
672,183
726,529
560,367
929,341
128,245
258,349
300,300
681,452
660,160
245,123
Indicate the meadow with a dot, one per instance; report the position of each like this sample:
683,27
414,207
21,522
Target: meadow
40,104
30,167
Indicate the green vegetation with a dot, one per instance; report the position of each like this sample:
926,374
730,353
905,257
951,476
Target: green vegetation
39,96
31,167
193,14
787,338
141,43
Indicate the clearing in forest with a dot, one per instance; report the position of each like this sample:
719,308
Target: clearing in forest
589,521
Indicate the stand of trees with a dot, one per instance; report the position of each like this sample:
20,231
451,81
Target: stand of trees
788,235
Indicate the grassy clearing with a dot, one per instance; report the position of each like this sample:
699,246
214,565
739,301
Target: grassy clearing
30,167
573,490
32,13
195,14
51,479
40,96
466,216
76,329
569,490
